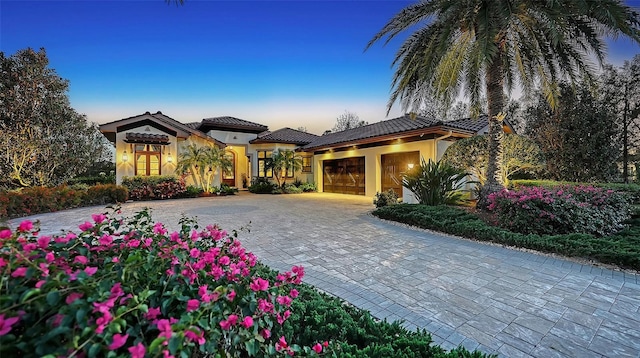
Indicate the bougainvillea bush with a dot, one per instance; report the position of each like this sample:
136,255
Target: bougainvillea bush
126,287
561,210
155,187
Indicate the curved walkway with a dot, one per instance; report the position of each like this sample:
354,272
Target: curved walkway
484,297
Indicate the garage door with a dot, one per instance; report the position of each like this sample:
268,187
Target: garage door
344,176
393,166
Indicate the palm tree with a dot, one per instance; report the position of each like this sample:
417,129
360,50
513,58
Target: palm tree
202,163
492,46
284,161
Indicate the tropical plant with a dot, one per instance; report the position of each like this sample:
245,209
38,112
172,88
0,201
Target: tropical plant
385,198
477,46
435,183
202,163
520,155
284,163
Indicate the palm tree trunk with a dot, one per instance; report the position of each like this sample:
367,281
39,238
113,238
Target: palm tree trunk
494,82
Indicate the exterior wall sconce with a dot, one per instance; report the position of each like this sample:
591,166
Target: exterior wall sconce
169,158
410,166
125,157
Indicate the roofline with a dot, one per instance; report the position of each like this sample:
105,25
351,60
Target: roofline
439,129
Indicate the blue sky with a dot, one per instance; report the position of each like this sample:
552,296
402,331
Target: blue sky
279,63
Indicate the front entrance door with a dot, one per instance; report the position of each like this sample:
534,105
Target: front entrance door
229,176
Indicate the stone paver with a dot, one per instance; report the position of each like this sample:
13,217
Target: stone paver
498,300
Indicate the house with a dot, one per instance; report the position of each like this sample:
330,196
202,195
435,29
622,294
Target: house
359,161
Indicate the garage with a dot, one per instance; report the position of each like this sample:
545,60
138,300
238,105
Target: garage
344,176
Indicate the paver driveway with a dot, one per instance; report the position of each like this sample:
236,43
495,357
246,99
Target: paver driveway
487,297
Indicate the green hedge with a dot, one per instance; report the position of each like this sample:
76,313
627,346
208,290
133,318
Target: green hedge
155,187
622,248
633,190
316,315
35,200
93,180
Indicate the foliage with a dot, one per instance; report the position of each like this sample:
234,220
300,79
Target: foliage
621,87
385,198
225,189
435,183
44,140
154,187
35,200
306,187
93,180
622,248
126,287
632,191
261,186
477,47
519,155
284,163
579,139
562,210
202,163
291,189
347,120
192,191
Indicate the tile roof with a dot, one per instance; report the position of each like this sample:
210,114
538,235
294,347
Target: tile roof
228,122
390,126
146,138
286,135
474,125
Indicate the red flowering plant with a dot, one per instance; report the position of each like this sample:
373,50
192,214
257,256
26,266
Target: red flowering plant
126,287
561,210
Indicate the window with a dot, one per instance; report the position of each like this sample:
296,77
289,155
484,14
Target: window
306,164
264,157
147,159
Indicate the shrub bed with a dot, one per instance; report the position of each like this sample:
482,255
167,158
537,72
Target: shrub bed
621,249
633,190
34,200
126,287
155,187
560,210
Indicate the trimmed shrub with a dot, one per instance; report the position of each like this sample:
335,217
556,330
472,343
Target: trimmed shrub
261,186
154,187
93,180
385,198
102,194
561,210
622,248
126,287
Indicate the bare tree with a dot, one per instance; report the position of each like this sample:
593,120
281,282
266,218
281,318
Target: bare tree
347,120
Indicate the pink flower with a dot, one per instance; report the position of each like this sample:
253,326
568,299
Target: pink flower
138,351
105,240
231,295
230,321
195,253
73,296
40,283
224,260
133,243
294,293
85,226
284,300
43,242
5,324
192,305
152,313
98,218
81,259
19,272
50,257
265,333
281,344
118,341
247,322
89,270
5,234
195,337
317,348
115,259
259,284
25,226
165,328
